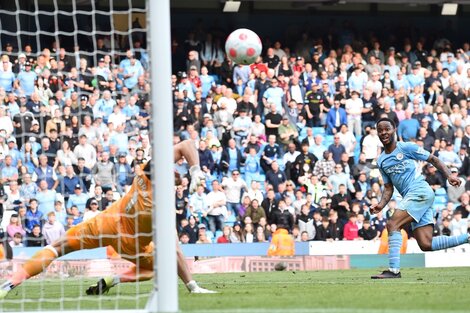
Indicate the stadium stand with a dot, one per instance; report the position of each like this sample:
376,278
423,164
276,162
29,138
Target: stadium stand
72,132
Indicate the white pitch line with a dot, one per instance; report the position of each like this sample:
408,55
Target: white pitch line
365,281
321,310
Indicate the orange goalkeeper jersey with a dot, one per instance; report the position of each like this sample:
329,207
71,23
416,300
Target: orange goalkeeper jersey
126,225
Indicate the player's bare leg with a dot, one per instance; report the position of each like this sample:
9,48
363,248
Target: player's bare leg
427,242
36,265
187,149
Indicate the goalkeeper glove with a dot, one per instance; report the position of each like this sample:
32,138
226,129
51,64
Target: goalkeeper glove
196,175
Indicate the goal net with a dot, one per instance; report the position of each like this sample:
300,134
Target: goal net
75,127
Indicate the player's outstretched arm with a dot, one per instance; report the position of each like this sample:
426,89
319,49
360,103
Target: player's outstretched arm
386,196
454,181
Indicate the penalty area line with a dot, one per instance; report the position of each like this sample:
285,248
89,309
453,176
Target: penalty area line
321,310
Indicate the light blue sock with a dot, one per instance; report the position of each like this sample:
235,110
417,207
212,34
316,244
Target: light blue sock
444,242
394,244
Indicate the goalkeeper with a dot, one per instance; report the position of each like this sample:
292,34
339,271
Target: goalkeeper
126,226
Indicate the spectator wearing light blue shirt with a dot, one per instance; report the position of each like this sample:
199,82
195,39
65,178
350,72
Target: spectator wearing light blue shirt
25,80
408,128
120,139
131,109
7,78
132,72
274,94
415,79
104,106
401,82
207,82
78,199
9,172
449,157
358,80
241,72
450,64
186,85
45,198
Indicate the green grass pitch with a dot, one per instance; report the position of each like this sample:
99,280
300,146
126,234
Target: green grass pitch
420,290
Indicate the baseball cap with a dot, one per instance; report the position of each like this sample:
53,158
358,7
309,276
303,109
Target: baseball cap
94,202
27,63
184,75
21,55
463,147
78,186
84,97
122,154
193,67
200,226
101,60
207,115
454,170
11,139
35,122
299,58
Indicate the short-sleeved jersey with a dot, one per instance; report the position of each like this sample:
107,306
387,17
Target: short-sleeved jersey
401,167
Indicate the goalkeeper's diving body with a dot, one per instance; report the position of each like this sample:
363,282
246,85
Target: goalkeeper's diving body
126,226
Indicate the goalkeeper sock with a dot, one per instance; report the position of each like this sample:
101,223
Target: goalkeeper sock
35,265
394,244
444,242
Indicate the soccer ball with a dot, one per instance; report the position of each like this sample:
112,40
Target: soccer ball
243,46
280,266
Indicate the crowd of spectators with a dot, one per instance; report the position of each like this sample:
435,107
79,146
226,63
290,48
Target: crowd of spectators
287,142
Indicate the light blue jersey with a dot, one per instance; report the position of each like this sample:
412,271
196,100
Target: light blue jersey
402,170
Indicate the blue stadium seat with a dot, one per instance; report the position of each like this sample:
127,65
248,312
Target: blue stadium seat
441,192
231,219
209,234
318,131
218,234
328,140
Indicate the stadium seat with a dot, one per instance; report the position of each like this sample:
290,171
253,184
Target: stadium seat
209,234
328,140
231,219
318,131
218,234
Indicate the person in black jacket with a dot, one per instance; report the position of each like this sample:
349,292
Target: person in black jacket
35,238
282,217
275,176
341,203
270,204
305,162
335,228
366,232
323,231
226,160
191,229
205,156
